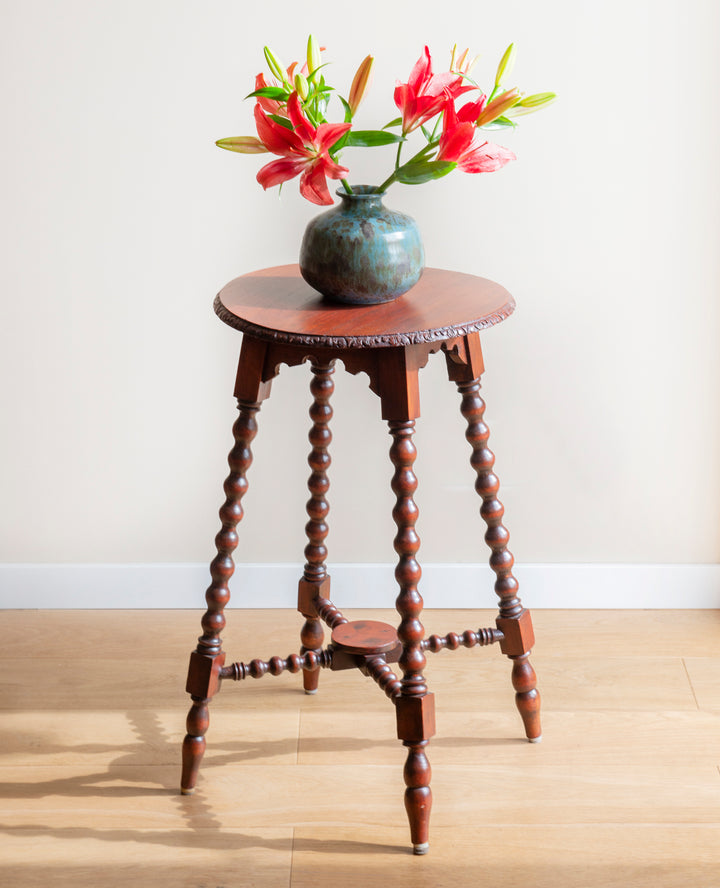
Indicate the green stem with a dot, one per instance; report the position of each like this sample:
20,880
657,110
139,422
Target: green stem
386,184
431,146
346,185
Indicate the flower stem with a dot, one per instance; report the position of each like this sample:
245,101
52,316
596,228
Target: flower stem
385,185
346,185
431,146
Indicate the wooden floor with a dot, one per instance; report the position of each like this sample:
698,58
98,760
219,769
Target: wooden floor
300,791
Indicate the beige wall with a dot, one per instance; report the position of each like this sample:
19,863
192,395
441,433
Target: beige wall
121,221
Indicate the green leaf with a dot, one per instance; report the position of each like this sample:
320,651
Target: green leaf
322,105
426,132
499,123
311,75
340,144
283,121
371,138
414,173
348,110
396,122
270,92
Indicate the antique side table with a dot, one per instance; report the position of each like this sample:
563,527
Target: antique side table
284,321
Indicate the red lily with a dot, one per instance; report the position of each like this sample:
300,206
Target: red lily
426,94
470,111
304,151
272,106
461,144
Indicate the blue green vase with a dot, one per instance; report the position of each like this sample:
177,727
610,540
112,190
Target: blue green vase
361,253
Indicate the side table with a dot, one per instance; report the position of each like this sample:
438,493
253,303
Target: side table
284,321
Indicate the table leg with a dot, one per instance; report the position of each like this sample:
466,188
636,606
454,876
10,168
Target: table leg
315,580
415,706
207,660
514,620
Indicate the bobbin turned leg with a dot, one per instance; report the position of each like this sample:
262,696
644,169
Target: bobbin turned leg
514,621
208,658
415,706
205,663
315,581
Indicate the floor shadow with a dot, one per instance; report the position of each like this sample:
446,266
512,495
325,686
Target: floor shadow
127,776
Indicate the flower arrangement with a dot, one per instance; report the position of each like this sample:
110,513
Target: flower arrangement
290,120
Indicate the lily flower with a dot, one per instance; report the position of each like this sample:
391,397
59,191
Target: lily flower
275,65
462,64
301,86
499,105
314,59
461,144
304,151
533,103
426,94
243,145
470,111
506,64
361,83
272,106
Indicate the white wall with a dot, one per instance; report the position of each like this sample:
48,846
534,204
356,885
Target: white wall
121,220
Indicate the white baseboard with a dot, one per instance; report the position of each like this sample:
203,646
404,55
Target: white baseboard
359,585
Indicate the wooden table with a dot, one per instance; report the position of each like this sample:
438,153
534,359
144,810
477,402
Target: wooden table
284,321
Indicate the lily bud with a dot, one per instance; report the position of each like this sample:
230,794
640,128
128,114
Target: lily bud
506,64
301,86
361,83
313,56
533,103
499,106
276,67
243,145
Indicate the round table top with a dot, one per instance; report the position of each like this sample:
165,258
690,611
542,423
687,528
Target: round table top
276,304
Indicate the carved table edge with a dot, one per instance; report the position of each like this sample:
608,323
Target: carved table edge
387,340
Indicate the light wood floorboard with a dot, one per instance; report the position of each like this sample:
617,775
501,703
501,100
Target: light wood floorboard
299,791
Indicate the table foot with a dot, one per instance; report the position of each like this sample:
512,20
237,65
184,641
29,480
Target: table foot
193,747
418,795
527,696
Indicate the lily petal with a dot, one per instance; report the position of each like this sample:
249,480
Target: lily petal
313,186
276,138
328,133
278,171
303,127
422,70
486,158
472,110
456,141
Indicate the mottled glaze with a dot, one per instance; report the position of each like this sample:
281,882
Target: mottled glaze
360,252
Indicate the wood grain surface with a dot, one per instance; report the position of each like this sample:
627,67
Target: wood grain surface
276,304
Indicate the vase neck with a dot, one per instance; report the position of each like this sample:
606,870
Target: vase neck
363,199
